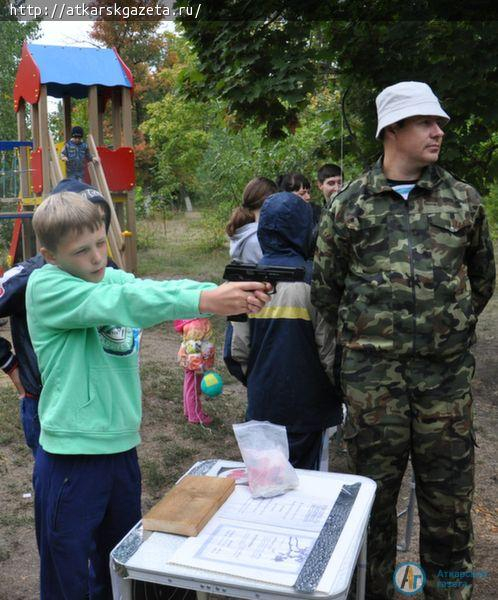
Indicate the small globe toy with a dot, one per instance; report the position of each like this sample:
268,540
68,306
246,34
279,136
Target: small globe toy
212,384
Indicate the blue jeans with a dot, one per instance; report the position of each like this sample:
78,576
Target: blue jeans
28,409
84,505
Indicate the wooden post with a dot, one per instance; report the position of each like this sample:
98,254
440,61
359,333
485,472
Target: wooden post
44,141
116,118
28,235
53,176
35,132
99,140
116,142
127,124
23,157
35,126
66,103
131,219
114,238
55,167
93,111
114,234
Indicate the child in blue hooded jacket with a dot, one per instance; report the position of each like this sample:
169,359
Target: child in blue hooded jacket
285,356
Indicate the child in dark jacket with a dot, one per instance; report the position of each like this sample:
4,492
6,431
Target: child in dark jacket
22,367
76,155
285,356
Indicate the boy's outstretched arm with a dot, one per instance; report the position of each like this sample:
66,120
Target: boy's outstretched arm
235,298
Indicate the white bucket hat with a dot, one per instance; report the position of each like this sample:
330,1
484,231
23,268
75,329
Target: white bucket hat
406,99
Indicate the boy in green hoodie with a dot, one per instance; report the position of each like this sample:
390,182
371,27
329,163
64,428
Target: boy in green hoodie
83,321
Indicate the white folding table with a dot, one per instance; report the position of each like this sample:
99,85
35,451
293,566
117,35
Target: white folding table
144,556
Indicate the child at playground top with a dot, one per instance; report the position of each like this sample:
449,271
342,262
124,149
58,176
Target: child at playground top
243,224
329,181
75,153
80,318
22,367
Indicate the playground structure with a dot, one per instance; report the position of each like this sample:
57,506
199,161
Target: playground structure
10,174
73,72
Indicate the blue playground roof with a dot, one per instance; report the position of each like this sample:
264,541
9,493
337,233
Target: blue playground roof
71,69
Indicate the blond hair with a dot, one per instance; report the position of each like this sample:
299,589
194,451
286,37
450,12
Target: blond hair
63,213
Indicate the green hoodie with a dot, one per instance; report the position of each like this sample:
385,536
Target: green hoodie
87,348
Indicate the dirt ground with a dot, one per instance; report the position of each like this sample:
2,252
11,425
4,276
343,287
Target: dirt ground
170,446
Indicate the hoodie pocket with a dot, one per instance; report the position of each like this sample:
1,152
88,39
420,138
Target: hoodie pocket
114,402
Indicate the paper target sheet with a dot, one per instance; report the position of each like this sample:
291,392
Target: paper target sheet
263,539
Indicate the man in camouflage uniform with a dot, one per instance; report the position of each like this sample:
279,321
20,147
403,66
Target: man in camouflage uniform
403,267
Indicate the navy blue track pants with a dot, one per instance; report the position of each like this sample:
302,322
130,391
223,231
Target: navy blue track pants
30,422
305,449
84,504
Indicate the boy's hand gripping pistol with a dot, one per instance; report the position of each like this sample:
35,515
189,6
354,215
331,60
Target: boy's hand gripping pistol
237,271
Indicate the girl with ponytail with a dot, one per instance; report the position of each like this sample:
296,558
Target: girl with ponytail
243,224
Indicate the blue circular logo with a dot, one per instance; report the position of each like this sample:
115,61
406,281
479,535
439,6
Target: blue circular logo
409,578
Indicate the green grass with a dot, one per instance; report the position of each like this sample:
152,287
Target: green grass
15,472
152,475
179,247
491,204
10,429
10,520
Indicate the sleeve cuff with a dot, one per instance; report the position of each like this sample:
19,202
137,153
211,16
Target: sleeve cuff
10,364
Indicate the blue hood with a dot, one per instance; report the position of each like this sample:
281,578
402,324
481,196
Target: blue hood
285,232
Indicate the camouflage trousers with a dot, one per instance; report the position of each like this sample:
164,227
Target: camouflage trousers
420,408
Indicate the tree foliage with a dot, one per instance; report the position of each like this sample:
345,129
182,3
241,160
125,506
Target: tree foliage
142,47
457,59
145,50
258,68
201,147
176,129
179,132
266,68
12,36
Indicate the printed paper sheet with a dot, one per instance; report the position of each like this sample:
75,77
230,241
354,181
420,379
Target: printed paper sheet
263,539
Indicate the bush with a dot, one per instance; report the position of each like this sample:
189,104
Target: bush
491,204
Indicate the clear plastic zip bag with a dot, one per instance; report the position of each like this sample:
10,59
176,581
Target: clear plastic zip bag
265,452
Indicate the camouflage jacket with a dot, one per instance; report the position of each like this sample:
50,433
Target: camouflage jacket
405,277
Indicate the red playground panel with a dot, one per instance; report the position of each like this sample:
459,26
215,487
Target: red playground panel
118,165
36,172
